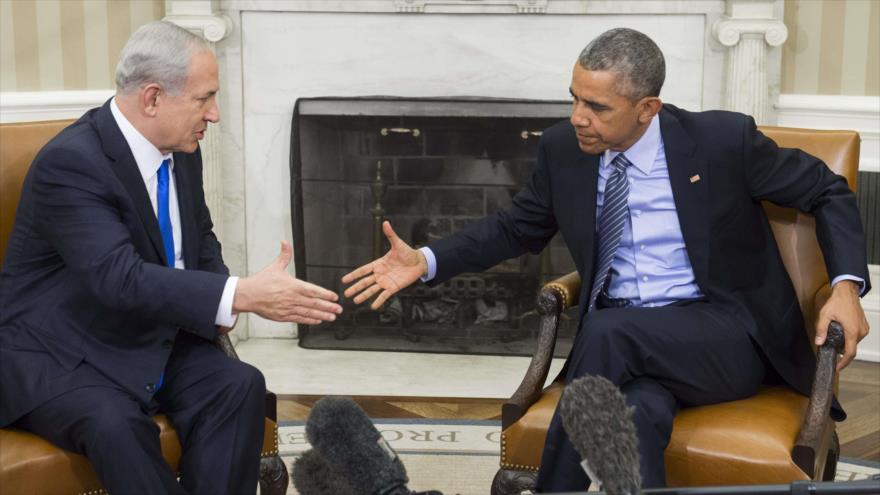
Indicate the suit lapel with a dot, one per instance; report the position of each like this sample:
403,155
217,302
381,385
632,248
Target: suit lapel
689,178
188,227
129,175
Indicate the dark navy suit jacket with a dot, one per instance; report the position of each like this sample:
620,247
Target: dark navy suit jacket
728,238
85,279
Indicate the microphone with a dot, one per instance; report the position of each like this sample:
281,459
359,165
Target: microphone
600,427
313,476
342,434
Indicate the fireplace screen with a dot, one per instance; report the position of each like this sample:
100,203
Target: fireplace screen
429,166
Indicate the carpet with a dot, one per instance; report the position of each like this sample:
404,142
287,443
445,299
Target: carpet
461,456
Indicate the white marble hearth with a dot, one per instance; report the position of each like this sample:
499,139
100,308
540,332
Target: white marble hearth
292,370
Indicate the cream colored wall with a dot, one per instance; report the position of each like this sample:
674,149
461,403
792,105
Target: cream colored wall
54,45
833,47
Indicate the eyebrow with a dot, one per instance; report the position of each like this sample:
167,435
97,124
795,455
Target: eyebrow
588,102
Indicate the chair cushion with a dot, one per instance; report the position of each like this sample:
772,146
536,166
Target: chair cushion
30,464
741,442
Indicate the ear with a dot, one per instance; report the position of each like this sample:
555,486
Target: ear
649,107
150,95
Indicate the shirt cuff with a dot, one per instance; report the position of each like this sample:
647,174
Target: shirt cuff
432,264
860,280
225,318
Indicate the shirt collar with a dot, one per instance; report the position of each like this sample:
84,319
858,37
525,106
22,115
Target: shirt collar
644,151
146,155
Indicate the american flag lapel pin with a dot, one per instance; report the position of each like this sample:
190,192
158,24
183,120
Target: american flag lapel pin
695,178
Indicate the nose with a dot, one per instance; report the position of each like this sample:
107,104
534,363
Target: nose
579,117
213,114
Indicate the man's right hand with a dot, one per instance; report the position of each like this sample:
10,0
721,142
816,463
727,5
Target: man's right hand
399,268
276,295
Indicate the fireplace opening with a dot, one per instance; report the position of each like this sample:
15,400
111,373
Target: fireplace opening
429,166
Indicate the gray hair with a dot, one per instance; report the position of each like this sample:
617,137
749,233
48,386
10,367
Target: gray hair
158,52
635,58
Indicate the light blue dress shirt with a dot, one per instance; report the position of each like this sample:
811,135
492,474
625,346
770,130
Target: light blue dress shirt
651,265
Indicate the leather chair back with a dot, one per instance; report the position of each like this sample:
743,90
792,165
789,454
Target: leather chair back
19,144
795,232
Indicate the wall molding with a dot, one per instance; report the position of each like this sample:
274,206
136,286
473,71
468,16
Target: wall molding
859,113
32,106
869,348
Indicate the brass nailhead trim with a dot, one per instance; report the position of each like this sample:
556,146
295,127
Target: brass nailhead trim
561,292
273,452
507,465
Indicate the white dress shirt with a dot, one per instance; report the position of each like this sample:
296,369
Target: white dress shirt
149,159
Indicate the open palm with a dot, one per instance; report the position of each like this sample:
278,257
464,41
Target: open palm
399,268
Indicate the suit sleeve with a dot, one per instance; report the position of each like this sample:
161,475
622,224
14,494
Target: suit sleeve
527,226
78,212
795,179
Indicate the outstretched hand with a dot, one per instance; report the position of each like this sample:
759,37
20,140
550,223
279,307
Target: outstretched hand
843,307
399,268
276,295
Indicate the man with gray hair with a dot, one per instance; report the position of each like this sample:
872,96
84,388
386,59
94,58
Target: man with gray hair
684,300
114,288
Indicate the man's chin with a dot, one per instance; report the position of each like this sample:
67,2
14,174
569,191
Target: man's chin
594,148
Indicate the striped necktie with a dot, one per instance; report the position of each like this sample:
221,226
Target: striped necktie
611,222
163,214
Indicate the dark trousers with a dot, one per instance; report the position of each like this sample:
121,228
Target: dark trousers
662,358
217,407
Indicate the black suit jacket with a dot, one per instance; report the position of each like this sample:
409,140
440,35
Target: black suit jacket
728,238
84,277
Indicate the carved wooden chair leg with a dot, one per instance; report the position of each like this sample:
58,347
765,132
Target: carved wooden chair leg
512,482
273,476
831,460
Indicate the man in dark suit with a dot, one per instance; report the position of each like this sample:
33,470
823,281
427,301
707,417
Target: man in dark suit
114,288
685,298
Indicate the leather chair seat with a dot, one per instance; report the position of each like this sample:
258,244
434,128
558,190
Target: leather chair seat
34,465
719,444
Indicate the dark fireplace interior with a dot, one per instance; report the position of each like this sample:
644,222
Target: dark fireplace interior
429,166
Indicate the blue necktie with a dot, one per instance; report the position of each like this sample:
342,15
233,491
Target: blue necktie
611,222
164,216
163,213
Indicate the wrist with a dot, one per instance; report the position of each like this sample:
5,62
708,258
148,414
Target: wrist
848,287
423,263
240,300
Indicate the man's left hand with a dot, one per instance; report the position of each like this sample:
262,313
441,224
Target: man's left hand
844,307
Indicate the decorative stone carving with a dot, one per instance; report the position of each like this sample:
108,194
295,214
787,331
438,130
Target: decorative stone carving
471,6
746,79
213,27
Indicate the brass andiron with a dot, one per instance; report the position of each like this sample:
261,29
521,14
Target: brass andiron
378,187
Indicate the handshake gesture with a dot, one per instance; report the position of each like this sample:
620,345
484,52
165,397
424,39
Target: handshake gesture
276,295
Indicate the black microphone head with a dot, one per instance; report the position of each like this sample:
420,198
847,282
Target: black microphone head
599,424
313,476
344,436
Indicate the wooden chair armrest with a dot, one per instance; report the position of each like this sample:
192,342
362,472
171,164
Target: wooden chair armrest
567,287
223,343
807,449
552,299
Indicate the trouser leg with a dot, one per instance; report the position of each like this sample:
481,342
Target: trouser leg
695,353
112,430
217,406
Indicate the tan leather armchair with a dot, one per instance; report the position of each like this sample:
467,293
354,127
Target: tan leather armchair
29,464
777,436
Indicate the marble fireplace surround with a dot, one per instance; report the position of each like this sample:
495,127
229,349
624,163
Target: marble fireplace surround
273,52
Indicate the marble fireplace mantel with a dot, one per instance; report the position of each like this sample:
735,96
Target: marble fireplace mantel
272,52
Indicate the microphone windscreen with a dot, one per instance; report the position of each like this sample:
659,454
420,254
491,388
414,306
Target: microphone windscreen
599,424
343,435
313,476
